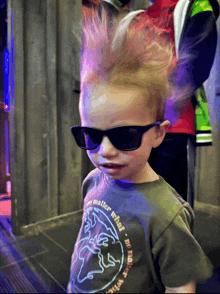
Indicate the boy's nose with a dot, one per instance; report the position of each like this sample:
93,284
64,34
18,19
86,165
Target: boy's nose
106,148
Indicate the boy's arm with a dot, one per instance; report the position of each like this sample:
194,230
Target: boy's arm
188,288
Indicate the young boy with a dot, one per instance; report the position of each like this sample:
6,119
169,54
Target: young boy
135,235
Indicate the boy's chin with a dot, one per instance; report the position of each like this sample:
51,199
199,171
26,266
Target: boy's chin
118,178
113,176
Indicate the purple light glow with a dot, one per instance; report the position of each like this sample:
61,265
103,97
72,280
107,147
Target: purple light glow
7,172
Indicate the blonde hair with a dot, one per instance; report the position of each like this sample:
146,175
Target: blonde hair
144,59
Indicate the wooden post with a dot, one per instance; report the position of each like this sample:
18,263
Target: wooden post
44,69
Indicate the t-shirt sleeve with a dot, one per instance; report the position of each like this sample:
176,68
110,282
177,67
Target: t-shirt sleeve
179,256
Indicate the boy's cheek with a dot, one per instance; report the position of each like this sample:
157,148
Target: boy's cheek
89,154
93,156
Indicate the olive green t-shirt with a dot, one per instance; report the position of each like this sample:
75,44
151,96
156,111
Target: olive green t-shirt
134,238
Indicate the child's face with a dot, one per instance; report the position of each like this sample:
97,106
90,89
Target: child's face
109,107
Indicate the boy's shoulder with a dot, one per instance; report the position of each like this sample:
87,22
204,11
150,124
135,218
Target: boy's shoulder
168,193
92,175
167,205
91,180
164,195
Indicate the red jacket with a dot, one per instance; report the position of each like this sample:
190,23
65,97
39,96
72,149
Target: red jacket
161,13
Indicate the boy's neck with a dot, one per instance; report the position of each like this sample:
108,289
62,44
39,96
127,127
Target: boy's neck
148,175
151,176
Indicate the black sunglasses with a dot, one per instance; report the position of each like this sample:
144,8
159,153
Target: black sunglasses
126,138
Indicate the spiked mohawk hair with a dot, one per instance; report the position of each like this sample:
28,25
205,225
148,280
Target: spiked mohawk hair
119,55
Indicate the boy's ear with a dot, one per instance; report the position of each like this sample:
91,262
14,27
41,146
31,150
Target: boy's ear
161,132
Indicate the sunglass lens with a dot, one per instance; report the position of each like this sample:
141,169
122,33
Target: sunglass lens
86,138
90,138
126,139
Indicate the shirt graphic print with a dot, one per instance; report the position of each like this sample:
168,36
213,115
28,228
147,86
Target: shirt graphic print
99,253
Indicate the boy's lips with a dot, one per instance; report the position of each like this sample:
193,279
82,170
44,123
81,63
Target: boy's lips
112,168
112,165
